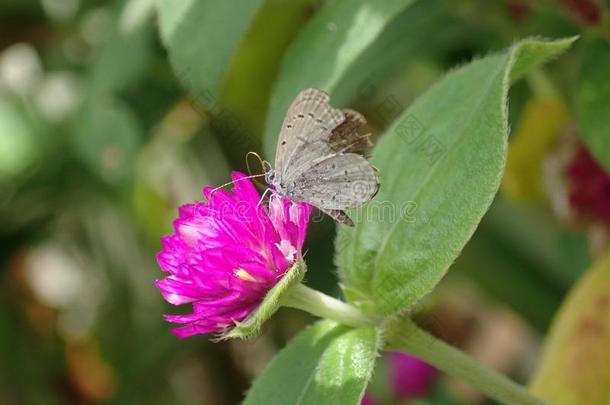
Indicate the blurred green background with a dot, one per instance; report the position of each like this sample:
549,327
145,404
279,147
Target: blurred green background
100,142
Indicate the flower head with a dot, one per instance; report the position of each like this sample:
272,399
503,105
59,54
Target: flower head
590,187
227,253
411,377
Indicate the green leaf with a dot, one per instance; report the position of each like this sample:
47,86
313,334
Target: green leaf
121,59
574,365
201,37
326,364
593,99
324,51
250,79
250,326
440,166
398,44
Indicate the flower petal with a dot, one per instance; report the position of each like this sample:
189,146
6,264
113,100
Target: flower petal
227,254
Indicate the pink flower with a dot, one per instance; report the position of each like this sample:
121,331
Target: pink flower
589,187
411,377
587,12
368,400
227,253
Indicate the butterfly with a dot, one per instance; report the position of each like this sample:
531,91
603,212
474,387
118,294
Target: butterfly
318,158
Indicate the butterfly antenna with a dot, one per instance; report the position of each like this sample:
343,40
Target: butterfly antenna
235,181
256,155
261,161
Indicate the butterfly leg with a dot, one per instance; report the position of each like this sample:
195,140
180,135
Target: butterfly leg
339,216
263,196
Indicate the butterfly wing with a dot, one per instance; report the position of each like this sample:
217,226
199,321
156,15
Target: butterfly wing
306,131
337,182
339,216
346,138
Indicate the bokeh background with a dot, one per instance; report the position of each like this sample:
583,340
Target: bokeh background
100,143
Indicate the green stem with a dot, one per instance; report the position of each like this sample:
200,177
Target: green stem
312,301
404,335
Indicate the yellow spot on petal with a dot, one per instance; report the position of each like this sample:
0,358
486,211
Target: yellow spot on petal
244,275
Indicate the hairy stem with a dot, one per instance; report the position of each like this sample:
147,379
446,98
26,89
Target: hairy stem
324,306
404,335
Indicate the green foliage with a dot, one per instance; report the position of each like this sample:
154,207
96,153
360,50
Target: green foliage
123,105
325,364
398,44
107,136
593,99
324,51
251,77
201,38
120,61
18,140
440,166
523,248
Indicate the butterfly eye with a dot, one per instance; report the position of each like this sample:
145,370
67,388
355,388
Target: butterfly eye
270,176
266,167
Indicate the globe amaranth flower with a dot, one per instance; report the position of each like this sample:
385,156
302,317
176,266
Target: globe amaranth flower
227,253
589,187
409,379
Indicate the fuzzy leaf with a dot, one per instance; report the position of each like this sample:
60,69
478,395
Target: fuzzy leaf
325,364
593,99
250,326
574,365
324,51
440,166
